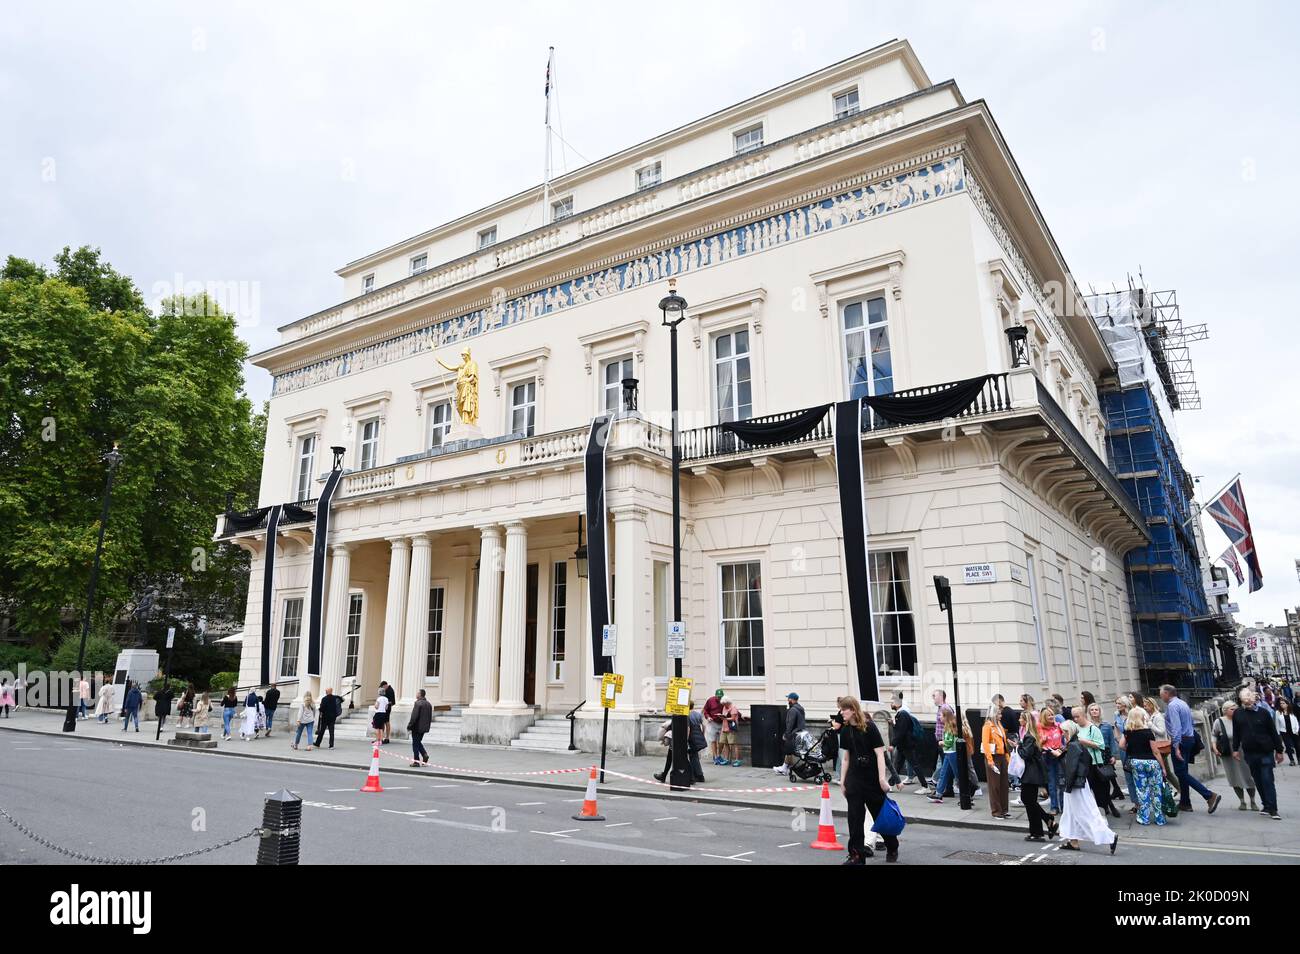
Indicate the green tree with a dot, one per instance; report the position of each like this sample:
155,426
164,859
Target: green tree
83,364
101,654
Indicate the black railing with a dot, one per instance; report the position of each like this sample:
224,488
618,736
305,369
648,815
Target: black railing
712,441
260,524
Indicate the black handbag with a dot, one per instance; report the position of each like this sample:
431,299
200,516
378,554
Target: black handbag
1105,772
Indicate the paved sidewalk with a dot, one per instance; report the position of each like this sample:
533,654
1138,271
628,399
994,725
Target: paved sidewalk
744,786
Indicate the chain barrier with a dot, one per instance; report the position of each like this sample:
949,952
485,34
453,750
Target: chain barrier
99,860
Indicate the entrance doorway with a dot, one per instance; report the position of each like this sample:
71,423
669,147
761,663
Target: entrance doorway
530,638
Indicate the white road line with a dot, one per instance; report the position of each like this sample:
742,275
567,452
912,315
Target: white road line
448,785
1226,851
702,814
617,824
739,857
415,814
740,809
467,825
790,844
475,808
331,790
559,834
1038,859
528,804
669,818
627,849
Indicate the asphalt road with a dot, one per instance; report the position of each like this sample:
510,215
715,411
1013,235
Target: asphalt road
124,801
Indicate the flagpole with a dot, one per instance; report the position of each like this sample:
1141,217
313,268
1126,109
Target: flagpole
1196,511
546,182
1223,488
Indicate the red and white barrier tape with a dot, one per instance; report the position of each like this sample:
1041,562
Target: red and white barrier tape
586,769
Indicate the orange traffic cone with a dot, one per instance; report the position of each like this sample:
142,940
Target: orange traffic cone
826,839
589,812
372,780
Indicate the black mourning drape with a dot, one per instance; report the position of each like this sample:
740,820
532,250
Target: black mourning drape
319,548
268,588
597,562
846,418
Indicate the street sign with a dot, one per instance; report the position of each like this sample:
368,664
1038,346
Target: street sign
611,684
679,696
980,573
677,640
171,636
1017,574
609,640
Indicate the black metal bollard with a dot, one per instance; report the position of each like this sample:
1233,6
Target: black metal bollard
281,829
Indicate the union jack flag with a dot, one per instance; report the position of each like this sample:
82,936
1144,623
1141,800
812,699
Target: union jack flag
1229,512
1229,559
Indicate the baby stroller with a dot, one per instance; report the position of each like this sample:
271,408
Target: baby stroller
812,755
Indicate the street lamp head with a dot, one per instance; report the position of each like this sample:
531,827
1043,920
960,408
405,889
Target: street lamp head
943,590
672,305
338,452
580,554
113,458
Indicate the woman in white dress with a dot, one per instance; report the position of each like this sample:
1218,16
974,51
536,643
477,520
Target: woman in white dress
252,706
104,703
1081,819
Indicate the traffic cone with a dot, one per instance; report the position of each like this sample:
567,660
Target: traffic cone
826,839
589,812
372,780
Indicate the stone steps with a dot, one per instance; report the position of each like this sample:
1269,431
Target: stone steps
547,734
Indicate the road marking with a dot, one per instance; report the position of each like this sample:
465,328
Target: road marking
739,857
396,788
791,844
669,818
565,833
617,824
448,785
1038,859
415,814
627,849
330,790
467,825
528,804
740,809
476,808
702,814
1227,851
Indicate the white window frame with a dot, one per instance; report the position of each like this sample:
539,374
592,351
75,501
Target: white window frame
732,359
558,641
562,209
880,550
764,630
423,260
530,429
441,428
746,131
518,369
304,479
367,283
352,640
368,447
283,639
1067,613
865,329
433,653
605,387
486,238
879,276
856,108
1036,617
644,186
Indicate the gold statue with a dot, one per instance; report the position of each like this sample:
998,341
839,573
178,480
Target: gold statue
466,387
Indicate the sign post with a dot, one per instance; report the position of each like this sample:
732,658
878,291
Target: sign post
611,684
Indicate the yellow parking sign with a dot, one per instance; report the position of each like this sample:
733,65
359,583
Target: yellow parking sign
611,684
679,696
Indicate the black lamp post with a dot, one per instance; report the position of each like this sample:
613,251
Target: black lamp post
673,307
1017,338
112,459
944,592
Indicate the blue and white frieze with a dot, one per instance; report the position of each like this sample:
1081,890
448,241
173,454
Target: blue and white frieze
889,195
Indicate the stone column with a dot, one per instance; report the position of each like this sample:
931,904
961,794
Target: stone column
513,612
336,619
634,604
416,645
487,633
399,568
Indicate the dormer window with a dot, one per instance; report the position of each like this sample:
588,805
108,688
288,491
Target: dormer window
749,139
487,237
562,208
649,176
419,263
846,103
368,284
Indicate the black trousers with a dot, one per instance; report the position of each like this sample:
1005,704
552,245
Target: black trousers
697,772
904,757
861,800
1029,798
417,746
320,737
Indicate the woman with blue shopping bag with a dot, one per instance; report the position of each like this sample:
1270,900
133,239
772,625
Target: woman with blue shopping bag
864,780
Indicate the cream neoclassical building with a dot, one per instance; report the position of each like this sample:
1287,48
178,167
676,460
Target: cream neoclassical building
860,230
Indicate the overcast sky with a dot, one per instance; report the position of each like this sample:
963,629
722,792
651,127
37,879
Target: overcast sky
268,144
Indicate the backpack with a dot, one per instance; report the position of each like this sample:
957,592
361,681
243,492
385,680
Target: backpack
918,730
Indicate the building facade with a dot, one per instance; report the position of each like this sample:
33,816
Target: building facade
858,231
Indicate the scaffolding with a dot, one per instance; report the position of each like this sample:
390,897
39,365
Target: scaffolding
1154,377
